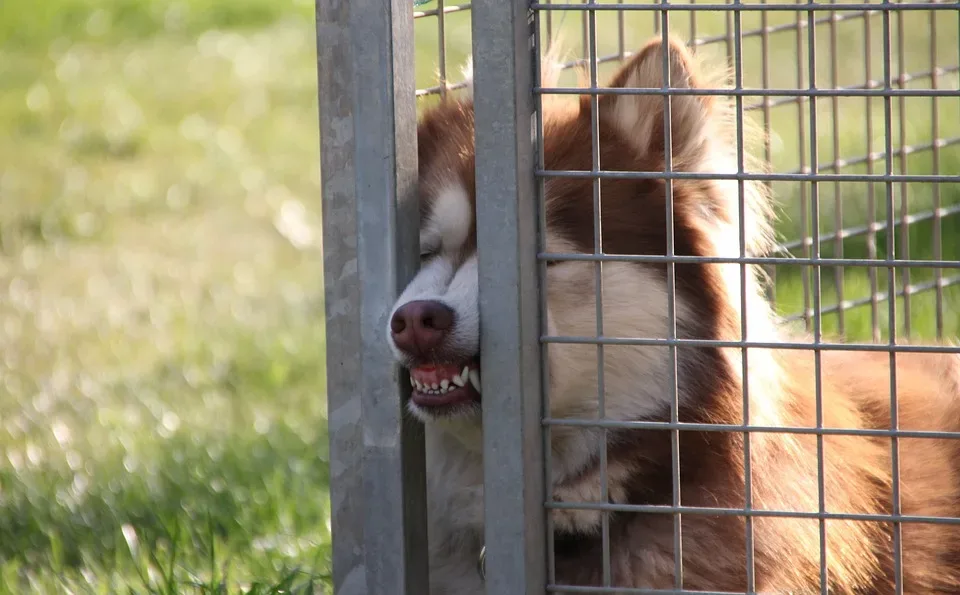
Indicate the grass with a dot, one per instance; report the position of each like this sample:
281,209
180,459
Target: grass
162,412
161,405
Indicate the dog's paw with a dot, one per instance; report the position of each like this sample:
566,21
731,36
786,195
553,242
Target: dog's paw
586,489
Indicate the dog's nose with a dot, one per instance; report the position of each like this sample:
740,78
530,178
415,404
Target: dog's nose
421,326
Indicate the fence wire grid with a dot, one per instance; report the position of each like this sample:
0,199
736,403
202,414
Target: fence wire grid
860,109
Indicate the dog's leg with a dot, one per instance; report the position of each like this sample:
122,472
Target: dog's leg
586,487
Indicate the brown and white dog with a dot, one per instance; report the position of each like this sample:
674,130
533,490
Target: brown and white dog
434,330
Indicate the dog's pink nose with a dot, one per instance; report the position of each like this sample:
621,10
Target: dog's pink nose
421,326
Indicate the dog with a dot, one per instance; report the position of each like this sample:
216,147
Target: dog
434,332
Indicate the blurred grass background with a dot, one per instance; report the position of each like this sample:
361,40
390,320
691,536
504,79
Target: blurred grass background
162,412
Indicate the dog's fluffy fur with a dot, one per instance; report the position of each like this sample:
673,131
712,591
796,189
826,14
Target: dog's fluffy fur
858,477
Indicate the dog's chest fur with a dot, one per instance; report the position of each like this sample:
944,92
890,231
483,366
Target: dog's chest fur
455,505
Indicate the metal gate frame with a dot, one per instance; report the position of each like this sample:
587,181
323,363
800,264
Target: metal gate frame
368,159
365,59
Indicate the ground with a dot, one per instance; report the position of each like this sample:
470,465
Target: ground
162,411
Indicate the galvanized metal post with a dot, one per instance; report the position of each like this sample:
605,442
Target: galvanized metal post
507,240
369,176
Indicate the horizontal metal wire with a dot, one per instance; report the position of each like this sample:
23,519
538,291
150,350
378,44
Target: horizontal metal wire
789,345
559,588
739,7
795,26
861,230
614,424
768,260
760,177
880,155
419,14
784,96
910,290
783,28
853,91
872,84
906,77
437,88
754,513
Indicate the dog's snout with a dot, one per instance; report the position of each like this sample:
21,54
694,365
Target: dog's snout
421,326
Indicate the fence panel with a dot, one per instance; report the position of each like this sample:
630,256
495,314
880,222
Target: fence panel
830,84
842,174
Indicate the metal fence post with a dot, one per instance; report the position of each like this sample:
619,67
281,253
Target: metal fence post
368,162
507,240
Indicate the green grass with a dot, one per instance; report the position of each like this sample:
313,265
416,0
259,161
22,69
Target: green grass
162,412
161,403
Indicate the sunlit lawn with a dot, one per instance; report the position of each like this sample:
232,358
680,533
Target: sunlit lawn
162,411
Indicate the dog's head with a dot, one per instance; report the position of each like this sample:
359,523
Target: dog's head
434,328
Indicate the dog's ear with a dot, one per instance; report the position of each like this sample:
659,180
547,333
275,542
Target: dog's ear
640,118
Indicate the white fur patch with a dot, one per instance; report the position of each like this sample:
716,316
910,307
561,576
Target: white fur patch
467,72
449,221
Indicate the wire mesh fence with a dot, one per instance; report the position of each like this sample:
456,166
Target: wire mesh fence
779,45
859,110
856,165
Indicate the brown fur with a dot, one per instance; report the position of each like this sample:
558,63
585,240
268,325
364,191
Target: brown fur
858,477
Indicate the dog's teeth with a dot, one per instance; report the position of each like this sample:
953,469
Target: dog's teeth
413,382
475,379
465,373
459,381
435,386
444,384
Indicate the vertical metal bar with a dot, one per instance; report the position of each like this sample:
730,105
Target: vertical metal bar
341,295
442,47
937,216
550,24
507,240
801,152
585,33
598,284
904,204
871,199
745,371
892,302
765,82
838,278
693,23
728,28
767,122
542,270
621,34
671,296
817,303
368,155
